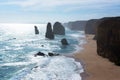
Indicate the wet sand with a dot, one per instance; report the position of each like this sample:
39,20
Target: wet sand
96,67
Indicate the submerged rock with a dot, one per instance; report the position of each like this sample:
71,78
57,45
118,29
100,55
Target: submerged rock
53,54
42,45
108,39
39,54
50,54
36,30
58,28
49,33
64,41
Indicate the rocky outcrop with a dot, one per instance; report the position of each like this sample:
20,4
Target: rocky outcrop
49,33
90,27
58,28
53,54
108,39
64,41
36,30
42,54
39,54
76,25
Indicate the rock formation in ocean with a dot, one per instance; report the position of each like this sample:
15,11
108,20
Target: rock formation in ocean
53,54
36,30
108,39
64,41
76,25
49,33
50,54
39,54
58,28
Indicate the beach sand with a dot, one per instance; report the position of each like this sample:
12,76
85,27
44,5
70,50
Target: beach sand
96,67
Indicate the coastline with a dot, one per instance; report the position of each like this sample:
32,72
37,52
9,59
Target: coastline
95,67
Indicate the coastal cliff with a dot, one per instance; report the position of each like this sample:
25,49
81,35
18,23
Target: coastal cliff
90,27
76,25
108,39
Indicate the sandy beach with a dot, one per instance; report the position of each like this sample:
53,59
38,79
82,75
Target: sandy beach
96,67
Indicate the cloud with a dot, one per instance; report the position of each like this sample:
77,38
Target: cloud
56,10
64,5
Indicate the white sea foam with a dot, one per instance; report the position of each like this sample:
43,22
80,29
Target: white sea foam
16,64
52,68
18,42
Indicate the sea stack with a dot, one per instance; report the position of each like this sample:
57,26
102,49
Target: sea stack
64,41
58,29
49,33
108,39
36,30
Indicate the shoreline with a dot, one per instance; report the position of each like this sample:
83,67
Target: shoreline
95,67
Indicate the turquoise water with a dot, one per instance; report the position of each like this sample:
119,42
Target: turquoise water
18,43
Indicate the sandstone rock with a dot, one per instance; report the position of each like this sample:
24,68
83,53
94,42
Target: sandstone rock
36,30
49,33
58,28
108,39
64,41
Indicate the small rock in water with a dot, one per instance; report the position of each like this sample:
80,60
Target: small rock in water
39,54
52,54
64,41
14,38
42,45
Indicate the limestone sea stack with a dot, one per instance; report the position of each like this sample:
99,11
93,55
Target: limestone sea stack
108,39
49,33
36,30
58,29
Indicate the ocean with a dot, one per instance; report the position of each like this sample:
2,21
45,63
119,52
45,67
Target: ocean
18,44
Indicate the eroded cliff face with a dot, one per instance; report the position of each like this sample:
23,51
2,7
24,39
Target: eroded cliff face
108,39
76,25
90,27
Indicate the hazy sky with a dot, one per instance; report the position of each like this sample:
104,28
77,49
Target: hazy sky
42,11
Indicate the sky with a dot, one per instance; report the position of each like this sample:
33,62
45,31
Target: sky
43,11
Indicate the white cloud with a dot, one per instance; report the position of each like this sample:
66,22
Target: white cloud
51,4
